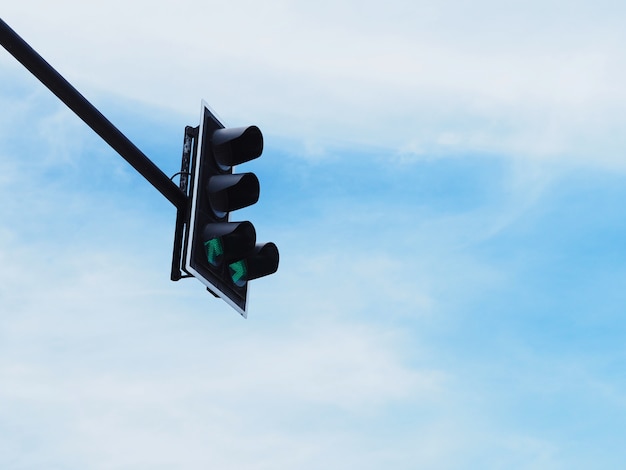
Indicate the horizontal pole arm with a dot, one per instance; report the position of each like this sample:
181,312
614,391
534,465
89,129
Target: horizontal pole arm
58,85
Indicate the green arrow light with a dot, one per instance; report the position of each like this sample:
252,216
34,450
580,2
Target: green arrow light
239,273
214,251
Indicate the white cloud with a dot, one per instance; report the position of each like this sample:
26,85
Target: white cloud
107,364
529,80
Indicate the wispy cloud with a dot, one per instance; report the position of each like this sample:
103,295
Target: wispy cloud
536,80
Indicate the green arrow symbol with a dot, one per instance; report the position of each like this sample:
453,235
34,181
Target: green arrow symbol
214,251
238,272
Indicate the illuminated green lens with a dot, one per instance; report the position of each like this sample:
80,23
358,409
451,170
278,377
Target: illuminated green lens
214,251
239,273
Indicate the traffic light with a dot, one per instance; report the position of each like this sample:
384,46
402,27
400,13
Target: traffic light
221,253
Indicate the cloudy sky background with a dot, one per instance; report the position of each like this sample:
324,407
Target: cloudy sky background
445,182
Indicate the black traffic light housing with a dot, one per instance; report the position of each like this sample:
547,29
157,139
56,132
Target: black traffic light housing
224,255
221,253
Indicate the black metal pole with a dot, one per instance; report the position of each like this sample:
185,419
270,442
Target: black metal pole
47,75
189,143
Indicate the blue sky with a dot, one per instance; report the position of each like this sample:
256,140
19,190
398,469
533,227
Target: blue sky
444,180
